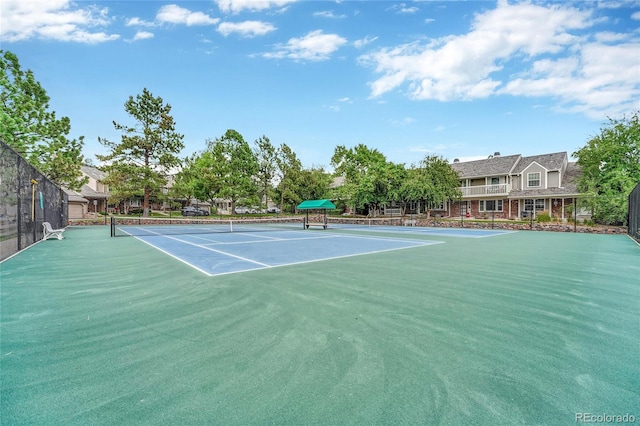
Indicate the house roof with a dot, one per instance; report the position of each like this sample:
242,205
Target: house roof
93,173
569,186
89,192
316,204
488,167
74,196
552,161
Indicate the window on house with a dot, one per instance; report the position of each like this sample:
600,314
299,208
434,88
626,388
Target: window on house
530,203
438,206
491,205
533,179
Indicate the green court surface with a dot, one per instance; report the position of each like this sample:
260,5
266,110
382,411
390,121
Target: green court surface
522,328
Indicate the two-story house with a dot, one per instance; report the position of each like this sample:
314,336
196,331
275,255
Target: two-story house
92,198
515,186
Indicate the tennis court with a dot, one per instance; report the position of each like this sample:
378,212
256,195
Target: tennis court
214,247
344,326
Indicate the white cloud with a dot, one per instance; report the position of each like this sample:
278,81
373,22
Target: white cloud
174,14
246,28
546,42
315,46
328,14
346,100
408,9
53,19
137,22
236,6
364,41
635,16
403,8
602,81
142,35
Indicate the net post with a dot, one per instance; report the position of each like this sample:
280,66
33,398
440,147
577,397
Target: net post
230,225
113,226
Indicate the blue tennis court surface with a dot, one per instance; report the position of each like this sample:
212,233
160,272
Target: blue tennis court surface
225,253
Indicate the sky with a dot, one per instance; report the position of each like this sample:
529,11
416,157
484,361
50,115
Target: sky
457,79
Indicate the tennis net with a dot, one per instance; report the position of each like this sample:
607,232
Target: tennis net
122,226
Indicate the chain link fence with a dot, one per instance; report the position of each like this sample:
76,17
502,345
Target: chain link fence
27,199
634,213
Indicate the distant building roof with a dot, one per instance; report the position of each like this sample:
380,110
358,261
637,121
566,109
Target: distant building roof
553,161
493,166
74,196
94,173
89,192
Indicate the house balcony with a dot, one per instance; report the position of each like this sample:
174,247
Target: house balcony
496,190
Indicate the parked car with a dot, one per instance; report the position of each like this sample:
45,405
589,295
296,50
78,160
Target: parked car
194,211
273,210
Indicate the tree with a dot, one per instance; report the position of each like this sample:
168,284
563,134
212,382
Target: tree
313,184
27,125
610,166
184,182
435,182
288,170
147,150
266,155
366,173
233,167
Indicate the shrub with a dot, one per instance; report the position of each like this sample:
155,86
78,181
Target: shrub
543,217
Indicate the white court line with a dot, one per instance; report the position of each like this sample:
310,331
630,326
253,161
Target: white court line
273,240
424,243
203,247
175,257
219,251
367,237
414,244
213,241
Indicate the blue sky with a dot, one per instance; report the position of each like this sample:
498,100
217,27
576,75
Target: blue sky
458,79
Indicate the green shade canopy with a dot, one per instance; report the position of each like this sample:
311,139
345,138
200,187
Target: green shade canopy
316,205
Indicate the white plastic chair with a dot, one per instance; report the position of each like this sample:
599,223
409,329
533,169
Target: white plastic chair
49,232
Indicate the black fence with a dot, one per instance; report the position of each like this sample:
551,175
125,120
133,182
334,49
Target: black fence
634,214
27,199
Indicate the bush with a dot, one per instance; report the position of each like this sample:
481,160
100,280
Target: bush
543,217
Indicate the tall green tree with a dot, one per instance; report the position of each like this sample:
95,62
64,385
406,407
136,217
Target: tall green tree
234,167
208,174
610,166
147,150
433,182
266,156
288,170
367,176
313,184
30,128
184,183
